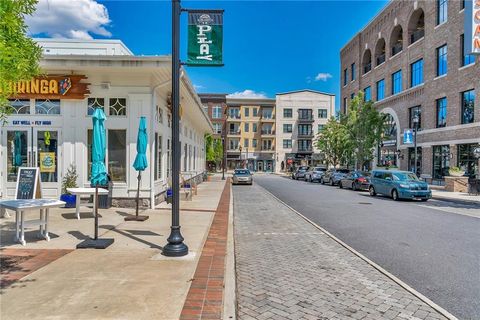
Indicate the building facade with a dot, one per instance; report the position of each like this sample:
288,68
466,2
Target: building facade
50,123
300,116
250,132
215,106
410,60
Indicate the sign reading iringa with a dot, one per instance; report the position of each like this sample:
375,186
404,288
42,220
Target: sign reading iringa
205,38
472,27
50,87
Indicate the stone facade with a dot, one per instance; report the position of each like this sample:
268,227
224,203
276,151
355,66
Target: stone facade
415,24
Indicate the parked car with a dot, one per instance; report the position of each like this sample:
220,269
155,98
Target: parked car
314,174
299,173
242,176
333,176
356,180
398,185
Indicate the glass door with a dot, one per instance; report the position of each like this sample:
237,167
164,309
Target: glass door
18,145
45,154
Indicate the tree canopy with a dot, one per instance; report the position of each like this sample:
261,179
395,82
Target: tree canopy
19,54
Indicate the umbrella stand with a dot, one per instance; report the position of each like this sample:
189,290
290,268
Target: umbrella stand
136,217
95,243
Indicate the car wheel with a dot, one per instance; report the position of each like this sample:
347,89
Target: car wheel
321,181
340,185
354,186
395,195
372,192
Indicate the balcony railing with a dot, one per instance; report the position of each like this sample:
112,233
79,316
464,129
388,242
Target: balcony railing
268,132
417,35
307,149
234,132
272,148
268,117
234,116
305,134
397,48
307,118
367,67
380,59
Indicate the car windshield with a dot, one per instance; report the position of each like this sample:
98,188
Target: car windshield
405,176
319,169
343,171
242,172
364,174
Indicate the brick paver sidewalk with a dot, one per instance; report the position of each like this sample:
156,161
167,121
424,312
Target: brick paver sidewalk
288,269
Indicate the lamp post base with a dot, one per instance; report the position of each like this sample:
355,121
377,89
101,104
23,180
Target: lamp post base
175,246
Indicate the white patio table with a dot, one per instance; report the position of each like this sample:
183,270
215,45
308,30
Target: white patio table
85,191
21,206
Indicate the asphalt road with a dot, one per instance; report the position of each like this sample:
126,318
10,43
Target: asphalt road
434,247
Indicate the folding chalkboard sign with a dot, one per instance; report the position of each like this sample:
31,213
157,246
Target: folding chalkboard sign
28,183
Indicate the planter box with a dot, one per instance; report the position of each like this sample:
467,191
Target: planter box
70,200
456,184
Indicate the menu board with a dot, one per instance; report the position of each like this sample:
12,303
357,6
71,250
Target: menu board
28,183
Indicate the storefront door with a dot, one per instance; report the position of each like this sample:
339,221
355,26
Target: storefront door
31,147
260,165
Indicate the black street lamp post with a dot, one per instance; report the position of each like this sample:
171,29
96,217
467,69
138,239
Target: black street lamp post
175,247
416,120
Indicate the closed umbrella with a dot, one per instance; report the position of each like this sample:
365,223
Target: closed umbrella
17,150
140,163
98,175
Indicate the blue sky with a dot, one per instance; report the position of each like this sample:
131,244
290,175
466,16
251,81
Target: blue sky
269,46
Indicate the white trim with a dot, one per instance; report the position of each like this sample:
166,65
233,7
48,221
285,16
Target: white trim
413,44
441,143
441,24
467,66
440,77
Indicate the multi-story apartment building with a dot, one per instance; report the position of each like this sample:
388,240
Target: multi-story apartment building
250,127
411,60
215,105
300,116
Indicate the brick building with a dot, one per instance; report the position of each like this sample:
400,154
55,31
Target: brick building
410,60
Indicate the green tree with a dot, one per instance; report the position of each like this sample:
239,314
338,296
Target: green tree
214,149
19,54
365,126
218,152
333,142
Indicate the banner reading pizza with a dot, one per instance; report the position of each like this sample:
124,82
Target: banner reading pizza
205,38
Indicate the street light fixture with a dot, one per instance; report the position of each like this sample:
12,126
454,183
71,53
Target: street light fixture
416,120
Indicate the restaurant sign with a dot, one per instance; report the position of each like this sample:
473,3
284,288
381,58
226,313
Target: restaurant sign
50,87
205,38
472,27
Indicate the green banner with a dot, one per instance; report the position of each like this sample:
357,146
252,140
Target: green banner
205,38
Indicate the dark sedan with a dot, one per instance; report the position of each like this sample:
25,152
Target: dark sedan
333,176
299,173
356,180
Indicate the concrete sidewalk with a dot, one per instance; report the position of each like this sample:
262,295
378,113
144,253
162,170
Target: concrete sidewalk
288,268
128,280
455,196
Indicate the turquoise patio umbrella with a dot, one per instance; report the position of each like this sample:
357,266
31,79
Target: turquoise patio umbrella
17,150
98,174
140,163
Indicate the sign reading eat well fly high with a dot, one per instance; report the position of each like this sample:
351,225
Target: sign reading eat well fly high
472,26
205,38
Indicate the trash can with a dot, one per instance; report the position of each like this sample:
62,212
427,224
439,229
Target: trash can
105,201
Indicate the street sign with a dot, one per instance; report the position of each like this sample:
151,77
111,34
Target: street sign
407,136
205,38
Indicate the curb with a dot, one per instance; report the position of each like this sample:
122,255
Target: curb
230,299
460,201
417,294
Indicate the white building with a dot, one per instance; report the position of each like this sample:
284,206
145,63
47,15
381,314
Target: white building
300,116
52,116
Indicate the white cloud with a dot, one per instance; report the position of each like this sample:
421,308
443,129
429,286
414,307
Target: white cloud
77,19
248,94
322,76
198,87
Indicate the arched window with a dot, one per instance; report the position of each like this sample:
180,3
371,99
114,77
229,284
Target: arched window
367,61
396,40
416,26
380,51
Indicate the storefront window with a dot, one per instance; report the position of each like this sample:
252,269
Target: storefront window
20,106
47,107
466,159
118,107
411,160
441,161
117,150
468,106
16,153
95,103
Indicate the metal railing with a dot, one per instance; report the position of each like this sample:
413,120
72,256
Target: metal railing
381,59
367,67
397,48
417,35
